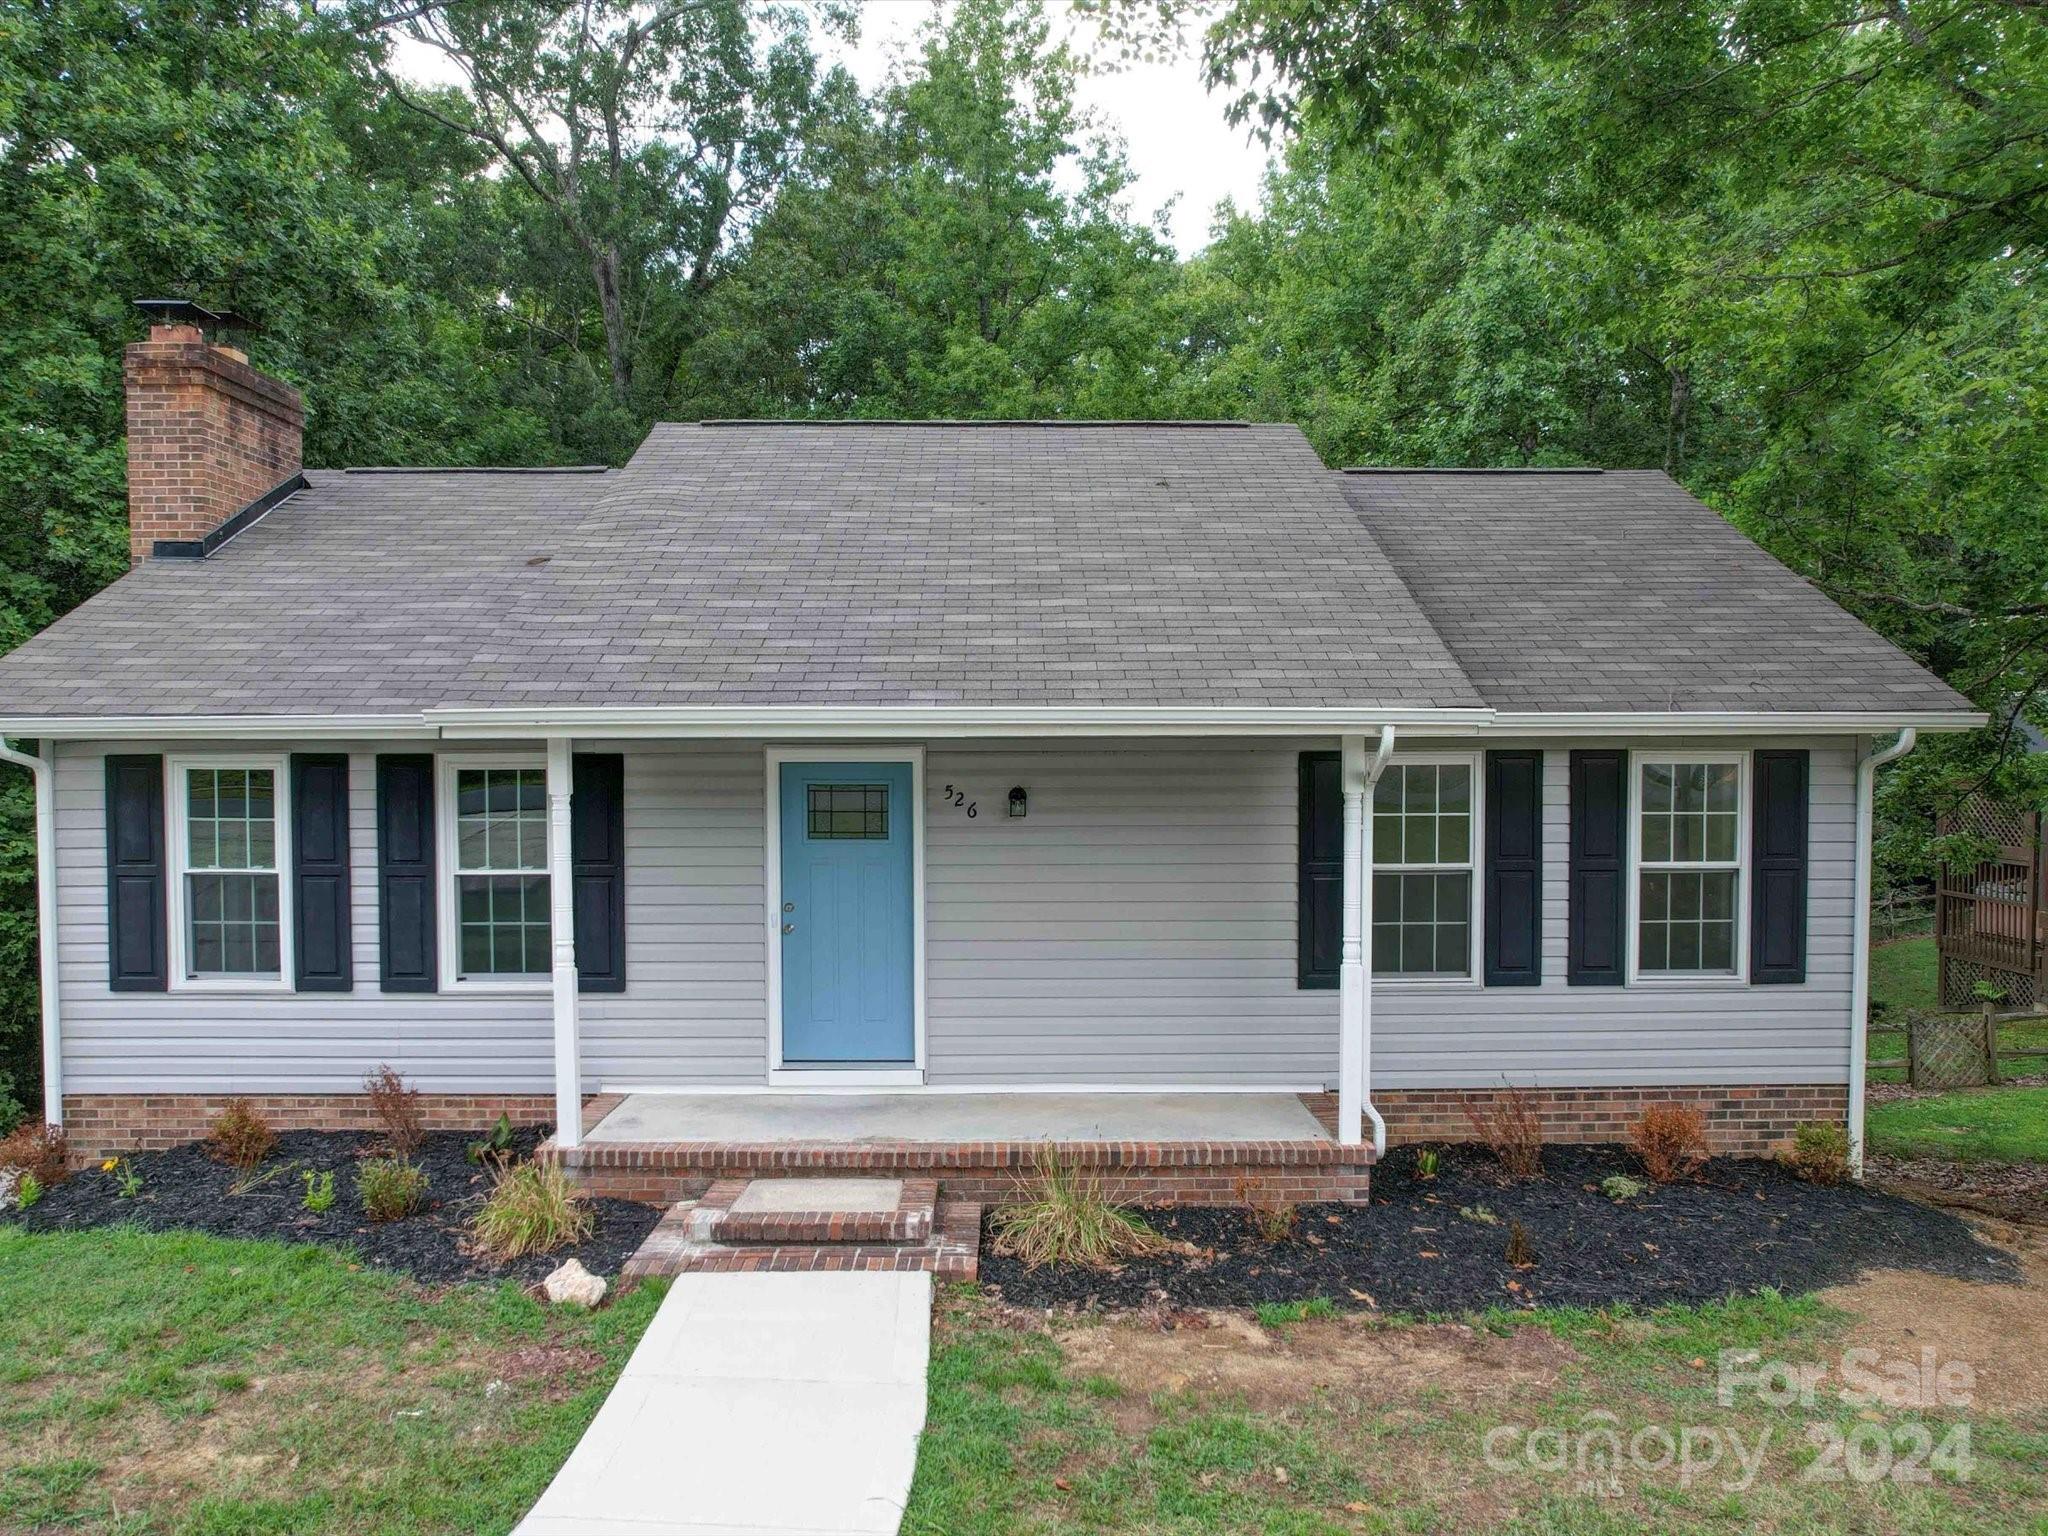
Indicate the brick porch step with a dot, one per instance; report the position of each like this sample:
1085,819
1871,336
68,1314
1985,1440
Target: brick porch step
814,1224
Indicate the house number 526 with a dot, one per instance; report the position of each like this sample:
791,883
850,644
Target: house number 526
959,797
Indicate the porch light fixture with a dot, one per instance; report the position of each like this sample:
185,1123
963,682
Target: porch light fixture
1017,801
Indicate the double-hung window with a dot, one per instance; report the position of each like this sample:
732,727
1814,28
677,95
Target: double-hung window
1689,876
230,901
495,896
1423,835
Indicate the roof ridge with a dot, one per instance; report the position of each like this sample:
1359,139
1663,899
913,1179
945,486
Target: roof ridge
949,421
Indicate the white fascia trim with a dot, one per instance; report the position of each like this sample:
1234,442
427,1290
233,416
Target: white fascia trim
217,727
812,1088
1724,722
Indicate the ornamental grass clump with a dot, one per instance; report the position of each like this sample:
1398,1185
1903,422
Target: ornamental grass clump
531,1208
1671,1139
390,1188
240,1136
1064,1219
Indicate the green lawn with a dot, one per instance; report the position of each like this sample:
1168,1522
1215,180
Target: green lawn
192,1386
1995,1125
1902,976
1020,1443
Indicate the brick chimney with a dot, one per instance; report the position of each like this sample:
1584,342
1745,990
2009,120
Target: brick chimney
207,433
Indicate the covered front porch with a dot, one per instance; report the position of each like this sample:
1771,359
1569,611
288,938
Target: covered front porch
1159,1148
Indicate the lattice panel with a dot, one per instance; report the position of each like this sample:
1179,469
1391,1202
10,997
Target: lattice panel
2003,826
2021,990
1944,1051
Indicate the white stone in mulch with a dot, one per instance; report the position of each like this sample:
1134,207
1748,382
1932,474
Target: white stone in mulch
570,1284
771,1404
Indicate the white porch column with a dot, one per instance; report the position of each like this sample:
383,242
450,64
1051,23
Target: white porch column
1354,976
562,917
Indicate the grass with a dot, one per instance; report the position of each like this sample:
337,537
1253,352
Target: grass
532,1209
1064,1219
1902,977
183,1385
1990,1125
1019,1443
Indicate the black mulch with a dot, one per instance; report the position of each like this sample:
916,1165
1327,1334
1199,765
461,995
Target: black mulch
187,1190
1741,1225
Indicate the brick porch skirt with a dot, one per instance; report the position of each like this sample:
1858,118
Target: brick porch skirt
1753,1121
988,1172
102,1123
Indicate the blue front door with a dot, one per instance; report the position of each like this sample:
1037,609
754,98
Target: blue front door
846,914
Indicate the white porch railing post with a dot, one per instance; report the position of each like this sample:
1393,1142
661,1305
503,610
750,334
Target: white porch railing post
562,916
1351,967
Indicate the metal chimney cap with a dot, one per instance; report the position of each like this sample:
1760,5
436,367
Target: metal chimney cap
185,312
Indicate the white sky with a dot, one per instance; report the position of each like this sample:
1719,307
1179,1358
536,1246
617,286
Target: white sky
1174,131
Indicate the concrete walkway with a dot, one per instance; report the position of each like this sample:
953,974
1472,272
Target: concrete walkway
764,1404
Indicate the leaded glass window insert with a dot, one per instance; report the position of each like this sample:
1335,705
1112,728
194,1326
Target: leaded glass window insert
1422,870
1688,842
853,811
501,871
231,876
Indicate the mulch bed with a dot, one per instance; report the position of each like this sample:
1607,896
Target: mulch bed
2016,1191
185,1189
1742,1224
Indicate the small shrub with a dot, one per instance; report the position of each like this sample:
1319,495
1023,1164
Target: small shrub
240,1136
1671,1139
390,1187
1820,1152
40,1150
128,1182
1479,1214
1065,1220
11,1108
1427,1162
1508,1125
1622,1186
531,1209
1521,1254
1272,1218
319,1194
496,1145
397,1108
28,1190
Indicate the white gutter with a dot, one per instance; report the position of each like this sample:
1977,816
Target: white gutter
1722,722
1859,926
40,770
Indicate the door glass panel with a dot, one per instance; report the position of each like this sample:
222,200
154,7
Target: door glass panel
847,811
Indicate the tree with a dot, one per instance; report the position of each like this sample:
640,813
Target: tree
647,132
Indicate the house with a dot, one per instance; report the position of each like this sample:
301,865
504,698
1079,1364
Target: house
828,795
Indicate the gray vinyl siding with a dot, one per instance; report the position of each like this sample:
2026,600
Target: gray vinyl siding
1136,928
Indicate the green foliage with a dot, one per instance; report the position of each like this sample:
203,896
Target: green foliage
1427,1162
1278,1314
319,1194
532,1209
1622,1186
496,1145
28,1189
390,1188
1820,1152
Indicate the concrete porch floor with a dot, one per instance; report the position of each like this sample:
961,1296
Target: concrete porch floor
937,1116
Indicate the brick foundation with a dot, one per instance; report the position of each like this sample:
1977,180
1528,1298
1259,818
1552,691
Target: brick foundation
990,1172
1752,1121
99,1124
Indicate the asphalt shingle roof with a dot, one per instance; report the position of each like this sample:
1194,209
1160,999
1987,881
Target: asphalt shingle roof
1616,590
1036,565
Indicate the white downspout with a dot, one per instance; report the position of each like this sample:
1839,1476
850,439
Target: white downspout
1859,925
46,919
562,915
1354,976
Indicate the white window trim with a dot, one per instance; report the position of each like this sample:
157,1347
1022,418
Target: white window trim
779,1074
1637,757
1475,969
178,794
448,914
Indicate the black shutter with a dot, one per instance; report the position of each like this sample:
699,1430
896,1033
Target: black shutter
320,894
136,942
1514,869
1777,937
1596,955
597,860
1319,944
405,873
